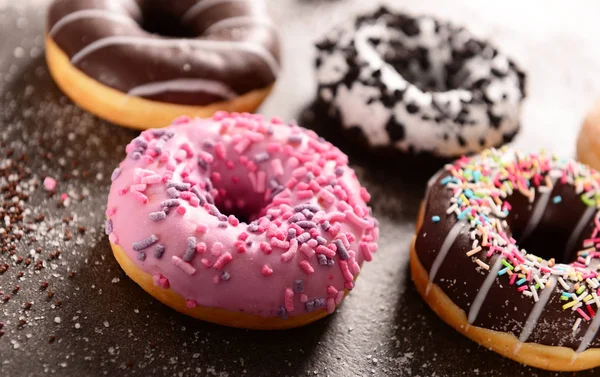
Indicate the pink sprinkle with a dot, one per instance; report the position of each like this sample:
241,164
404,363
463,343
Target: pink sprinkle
242,145
331,290
274,148
265,247
330,305
288,255
354,219
201,228
123,191
304,194
240,246
303,298
201,248
113,238
49,183
266,270
364,247
335,216
346,271
183,119
152,179
364,195
307,250
334,229
243,236
327,196
277,167
183,265
180,155
205,156
161,281
583,314
190,304
206,263
322,249
233,220
339,297
111,211
194,201
306,267
280,244
140,197
291,183
223,260
220,151
217,248
299,172
522,288
139,187
289,300
181,210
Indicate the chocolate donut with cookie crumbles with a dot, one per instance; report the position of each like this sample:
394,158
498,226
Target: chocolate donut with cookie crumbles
419,84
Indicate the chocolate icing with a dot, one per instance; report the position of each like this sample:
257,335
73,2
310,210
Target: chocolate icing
505,309
240,54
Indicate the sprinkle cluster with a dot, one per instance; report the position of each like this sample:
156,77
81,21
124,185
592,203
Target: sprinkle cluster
481,187
308,214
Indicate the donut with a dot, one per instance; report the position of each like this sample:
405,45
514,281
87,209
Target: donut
505,252
418,85
588,141
240,221
141,64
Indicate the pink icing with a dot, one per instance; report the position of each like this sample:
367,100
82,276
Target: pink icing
310,228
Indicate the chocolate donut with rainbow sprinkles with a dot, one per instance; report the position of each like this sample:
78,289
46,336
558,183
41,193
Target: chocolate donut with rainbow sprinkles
240,221
142,63
506,252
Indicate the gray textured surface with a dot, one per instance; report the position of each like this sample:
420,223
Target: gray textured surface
106,325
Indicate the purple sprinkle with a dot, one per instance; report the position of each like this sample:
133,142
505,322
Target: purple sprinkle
298,286
158,133
208,144
296,217
108,226
341,249
309,306
321,240
141,256
169,134
304,237
135,155
306,206
179,185
140,142
270,130
115,174
277,190
326,225
170,203
202,164
249,243
261,157
159,250
295,139
306,224
330,262
209,185
320,302
225,275
310,176
309,215
222,224
282,313
291,234
322,259
213,210
222,217
339,171
210,199
191,249
157,216
252,227
273,184
172,192
145,243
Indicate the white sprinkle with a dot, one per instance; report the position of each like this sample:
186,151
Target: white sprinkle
576,325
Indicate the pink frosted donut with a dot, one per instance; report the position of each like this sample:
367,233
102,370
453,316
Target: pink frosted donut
176,220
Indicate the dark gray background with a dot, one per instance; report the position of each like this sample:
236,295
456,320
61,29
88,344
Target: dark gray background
107,325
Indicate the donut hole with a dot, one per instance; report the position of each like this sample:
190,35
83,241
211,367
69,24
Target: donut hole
157,21
556,235
241,202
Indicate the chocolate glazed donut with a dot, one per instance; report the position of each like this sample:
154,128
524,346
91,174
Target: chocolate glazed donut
505,253
141,63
